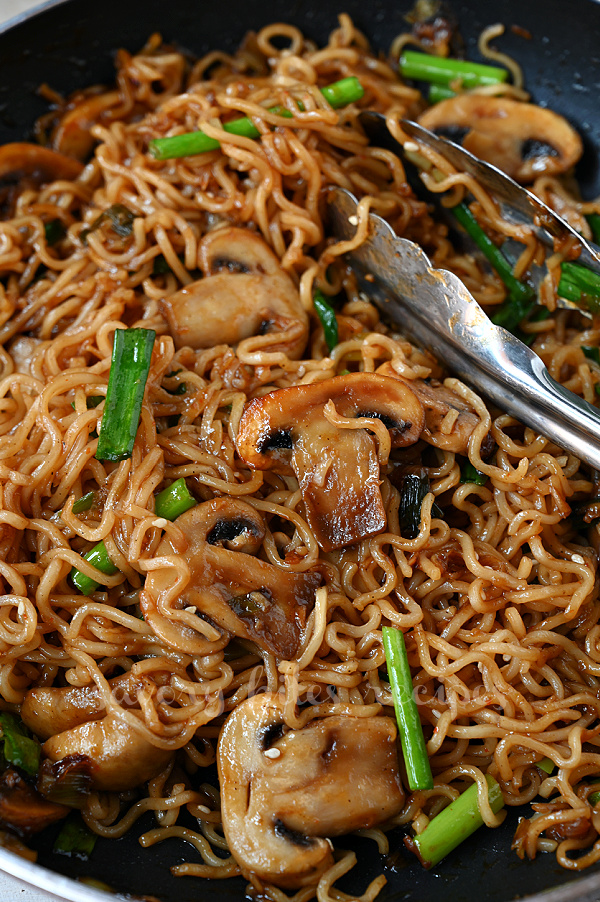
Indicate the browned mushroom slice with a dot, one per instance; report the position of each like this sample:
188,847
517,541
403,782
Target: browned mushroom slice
337,469
40,163
283,791
23,809
449,421
245,292
47,711
120,756
238,592
522,139
72,136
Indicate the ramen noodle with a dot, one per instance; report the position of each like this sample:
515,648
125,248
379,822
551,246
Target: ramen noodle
262,606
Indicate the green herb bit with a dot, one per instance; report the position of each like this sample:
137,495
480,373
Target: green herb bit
416,760
54,230
453,825
415,486
84,503
130,365
75,838
120,218
437,93
469,474
170,504
592,352
98,558
546,764
19,747
174,500
594,798
340,93
594,224
328,319
576,276
442,71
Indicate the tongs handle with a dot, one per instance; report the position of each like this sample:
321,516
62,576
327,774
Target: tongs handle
435,309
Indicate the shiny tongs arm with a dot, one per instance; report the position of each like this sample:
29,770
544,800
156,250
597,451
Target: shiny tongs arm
434,308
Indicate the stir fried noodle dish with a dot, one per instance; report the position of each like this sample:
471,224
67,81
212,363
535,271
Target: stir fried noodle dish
243,520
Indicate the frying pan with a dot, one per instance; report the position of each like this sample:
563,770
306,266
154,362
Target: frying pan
70,45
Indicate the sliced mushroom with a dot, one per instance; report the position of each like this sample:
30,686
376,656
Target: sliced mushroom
245,292
47,711
22,809
522,139
72,135
243,595
337,469
283,791
121,757
40,163
438,402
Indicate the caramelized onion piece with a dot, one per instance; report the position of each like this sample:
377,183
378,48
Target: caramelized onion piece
244,292
243,595
522,139
337,469
283,791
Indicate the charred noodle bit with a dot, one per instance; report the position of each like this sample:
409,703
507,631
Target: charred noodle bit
305,535
416,761
338,94
453,825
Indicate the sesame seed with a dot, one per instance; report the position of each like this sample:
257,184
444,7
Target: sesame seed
411,147
272,753
160,523
191,609
204,809
353,220
577,559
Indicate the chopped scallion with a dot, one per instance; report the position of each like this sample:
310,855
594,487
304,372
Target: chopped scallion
453,825
328,319
340,93
20,748
75,838
416,760
440,70
131,356
469,474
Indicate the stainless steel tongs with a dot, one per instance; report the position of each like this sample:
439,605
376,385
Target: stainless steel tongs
434,308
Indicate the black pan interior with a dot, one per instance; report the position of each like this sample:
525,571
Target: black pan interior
71,45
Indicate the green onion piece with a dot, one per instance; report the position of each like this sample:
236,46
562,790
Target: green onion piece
132,352
84,503
584,278
98,558
518,291
592,352
453,825
442,71
169,503
120,218
594,798
340,93
418,769
546,764
328,319
469,474
75,839
437,93
174,500
415,486
594,224
19,748
54,230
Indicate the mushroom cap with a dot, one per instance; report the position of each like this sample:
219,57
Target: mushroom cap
244,292
239,593
337,468
120,756
506,133
335,775
21,158
72,136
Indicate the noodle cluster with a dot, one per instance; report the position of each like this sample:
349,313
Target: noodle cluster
497,599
